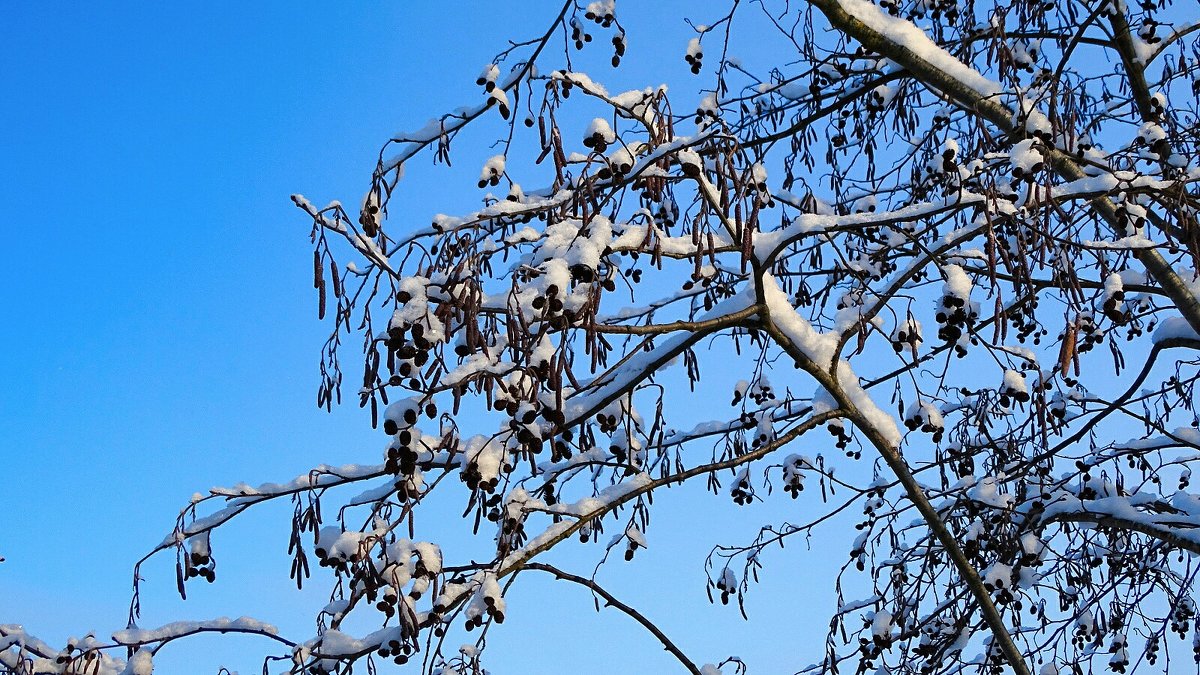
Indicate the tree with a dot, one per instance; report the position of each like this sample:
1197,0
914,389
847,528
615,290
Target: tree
950,210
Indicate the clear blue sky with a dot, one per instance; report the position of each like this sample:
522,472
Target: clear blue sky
161,335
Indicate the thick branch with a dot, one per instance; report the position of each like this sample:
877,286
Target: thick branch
896,462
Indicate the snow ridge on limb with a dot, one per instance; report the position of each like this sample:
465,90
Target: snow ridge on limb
242,497
903,35
21,652
769,244
137,637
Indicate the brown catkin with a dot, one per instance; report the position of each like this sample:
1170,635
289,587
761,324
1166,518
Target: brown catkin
1067,353
337,279
318,270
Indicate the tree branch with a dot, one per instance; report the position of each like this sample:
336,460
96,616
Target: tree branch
614,602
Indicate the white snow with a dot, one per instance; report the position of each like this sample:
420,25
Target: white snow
600,128
1014,382
958,284
141,663
819,347
998,575
1113,285
1175,328
881,624
492,168
170,631
904,32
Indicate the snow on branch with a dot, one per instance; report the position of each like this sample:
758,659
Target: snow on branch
939,231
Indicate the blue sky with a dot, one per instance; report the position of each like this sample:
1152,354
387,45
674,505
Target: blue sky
161,331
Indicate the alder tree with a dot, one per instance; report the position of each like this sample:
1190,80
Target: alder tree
947,252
